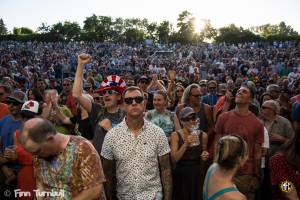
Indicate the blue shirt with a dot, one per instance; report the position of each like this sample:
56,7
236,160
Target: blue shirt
8,126
210,99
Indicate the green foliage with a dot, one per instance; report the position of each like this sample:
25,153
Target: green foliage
136,30
186,25
3,29
22,31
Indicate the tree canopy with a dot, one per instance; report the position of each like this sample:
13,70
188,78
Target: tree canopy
136,30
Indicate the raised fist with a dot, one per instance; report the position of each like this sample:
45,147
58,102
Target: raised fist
84,58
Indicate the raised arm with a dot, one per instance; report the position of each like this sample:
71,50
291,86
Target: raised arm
77,87
166,175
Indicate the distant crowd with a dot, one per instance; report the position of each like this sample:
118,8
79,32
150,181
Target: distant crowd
111,121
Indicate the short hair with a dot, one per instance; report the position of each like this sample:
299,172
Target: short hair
132,88
41,79
41,130
274,106
229,149
252,90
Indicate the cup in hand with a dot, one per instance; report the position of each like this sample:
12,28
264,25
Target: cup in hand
194,136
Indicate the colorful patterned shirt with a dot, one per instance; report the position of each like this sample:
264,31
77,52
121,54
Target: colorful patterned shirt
76,169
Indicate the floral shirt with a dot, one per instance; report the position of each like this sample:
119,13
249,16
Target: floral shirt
76,169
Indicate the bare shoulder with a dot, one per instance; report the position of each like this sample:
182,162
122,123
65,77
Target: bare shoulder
236,195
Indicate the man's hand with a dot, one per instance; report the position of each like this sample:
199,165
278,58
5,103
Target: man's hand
10,155
204,155
172,75
84,58
106,124
277,137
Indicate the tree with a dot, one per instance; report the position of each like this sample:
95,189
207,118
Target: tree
67,30
118,29
164,31
186,25
234,34
22,31
151,30
208,32
91,23
3,29
134,36
44,28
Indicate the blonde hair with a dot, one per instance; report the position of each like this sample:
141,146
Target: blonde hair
229,150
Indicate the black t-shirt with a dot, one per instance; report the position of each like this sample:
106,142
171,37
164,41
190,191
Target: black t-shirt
84,127
97,114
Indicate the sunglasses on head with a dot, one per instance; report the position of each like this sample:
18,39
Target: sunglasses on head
189,118
109,92
138,100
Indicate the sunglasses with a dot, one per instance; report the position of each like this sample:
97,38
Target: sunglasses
196,95
66,84
192,117
266,107
212,88
138,100
109,92
143,82
15,103
179,90
1,94
97,98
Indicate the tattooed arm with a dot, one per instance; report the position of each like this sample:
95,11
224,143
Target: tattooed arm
166,175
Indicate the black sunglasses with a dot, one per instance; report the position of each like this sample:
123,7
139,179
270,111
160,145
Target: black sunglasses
15,103
196,95
192,117
1,94
138,100
143,82
97,98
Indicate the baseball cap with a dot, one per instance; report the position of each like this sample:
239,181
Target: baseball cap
30,107
185,112
17,96
273,87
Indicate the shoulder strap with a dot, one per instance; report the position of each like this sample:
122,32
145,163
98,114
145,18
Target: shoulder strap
209,173
201,141
221,192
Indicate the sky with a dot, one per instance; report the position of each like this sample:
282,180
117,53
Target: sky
246,13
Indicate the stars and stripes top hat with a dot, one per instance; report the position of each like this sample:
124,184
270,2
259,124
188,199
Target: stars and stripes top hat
112,82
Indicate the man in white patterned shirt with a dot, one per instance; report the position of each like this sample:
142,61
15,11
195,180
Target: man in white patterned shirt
140,151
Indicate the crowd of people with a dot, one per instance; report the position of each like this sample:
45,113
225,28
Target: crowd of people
109,121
